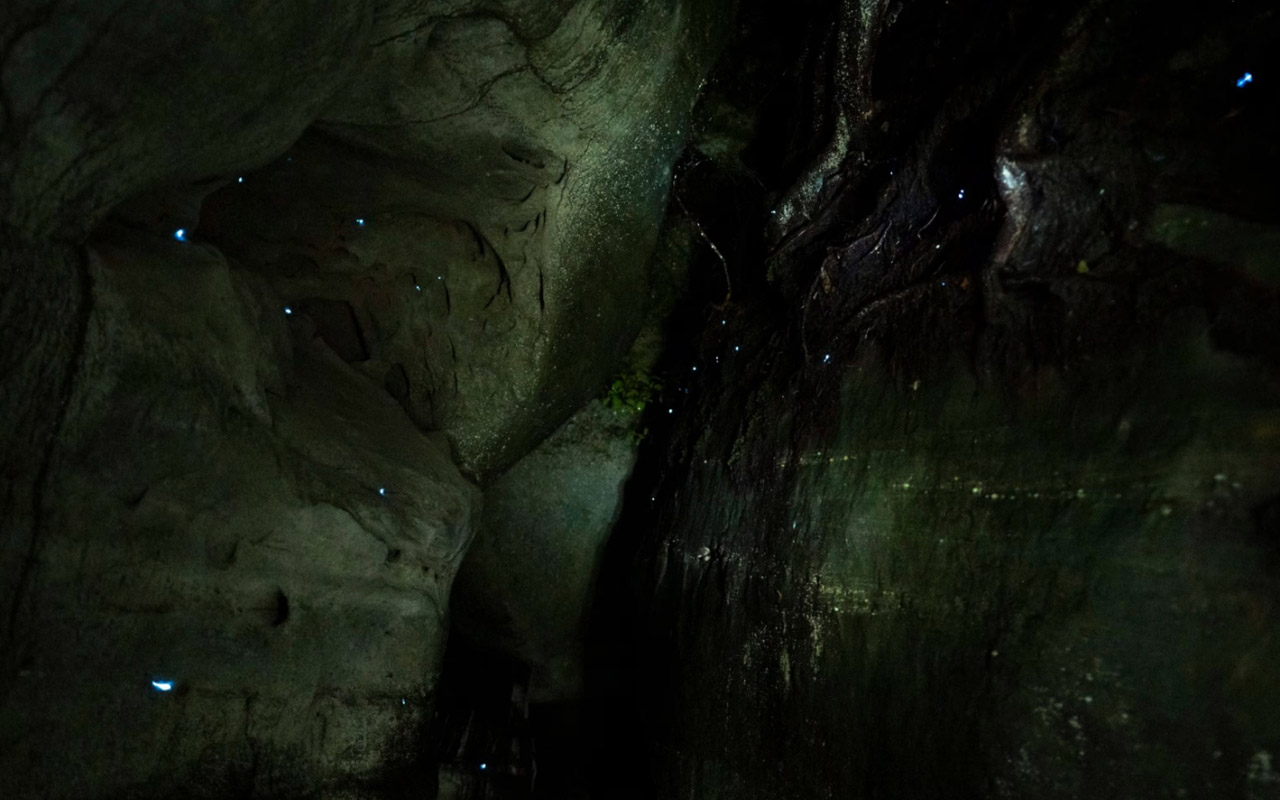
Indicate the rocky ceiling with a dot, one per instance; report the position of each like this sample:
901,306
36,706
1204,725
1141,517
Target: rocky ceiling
840,398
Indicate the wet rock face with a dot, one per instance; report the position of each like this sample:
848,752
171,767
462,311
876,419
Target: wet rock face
275,288
972,492
972,497
924,595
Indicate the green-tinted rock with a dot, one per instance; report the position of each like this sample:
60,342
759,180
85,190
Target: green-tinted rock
965,592
1251,247
512,182
215,518
527,583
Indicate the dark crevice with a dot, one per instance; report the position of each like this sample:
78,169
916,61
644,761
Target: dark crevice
280,611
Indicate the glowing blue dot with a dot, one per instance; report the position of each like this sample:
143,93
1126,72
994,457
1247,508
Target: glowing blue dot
382,490
826,358
239,180
162,686
483,765
722,322
288,310
961,194
671,411
403,702
1244,79
180,234
695,369
417,286
360,221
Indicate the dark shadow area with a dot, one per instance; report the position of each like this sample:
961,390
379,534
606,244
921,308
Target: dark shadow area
481,740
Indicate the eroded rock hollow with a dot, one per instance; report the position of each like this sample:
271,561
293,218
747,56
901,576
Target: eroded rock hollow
845,398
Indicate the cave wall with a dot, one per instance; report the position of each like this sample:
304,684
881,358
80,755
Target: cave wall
962,482
281,286
973,492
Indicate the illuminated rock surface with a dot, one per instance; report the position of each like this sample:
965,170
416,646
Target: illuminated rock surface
275,279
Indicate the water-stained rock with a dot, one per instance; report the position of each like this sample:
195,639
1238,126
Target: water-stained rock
972,495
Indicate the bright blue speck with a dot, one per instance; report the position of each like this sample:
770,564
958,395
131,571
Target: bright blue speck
403,702
288,310
239,180
360,222
163,686
417,286
1246,78
382,490
961,194
826,358
180,234
484,766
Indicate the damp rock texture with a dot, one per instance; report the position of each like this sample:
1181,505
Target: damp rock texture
280,283
974,493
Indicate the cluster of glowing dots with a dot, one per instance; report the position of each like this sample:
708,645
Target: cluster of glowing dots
1244,80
